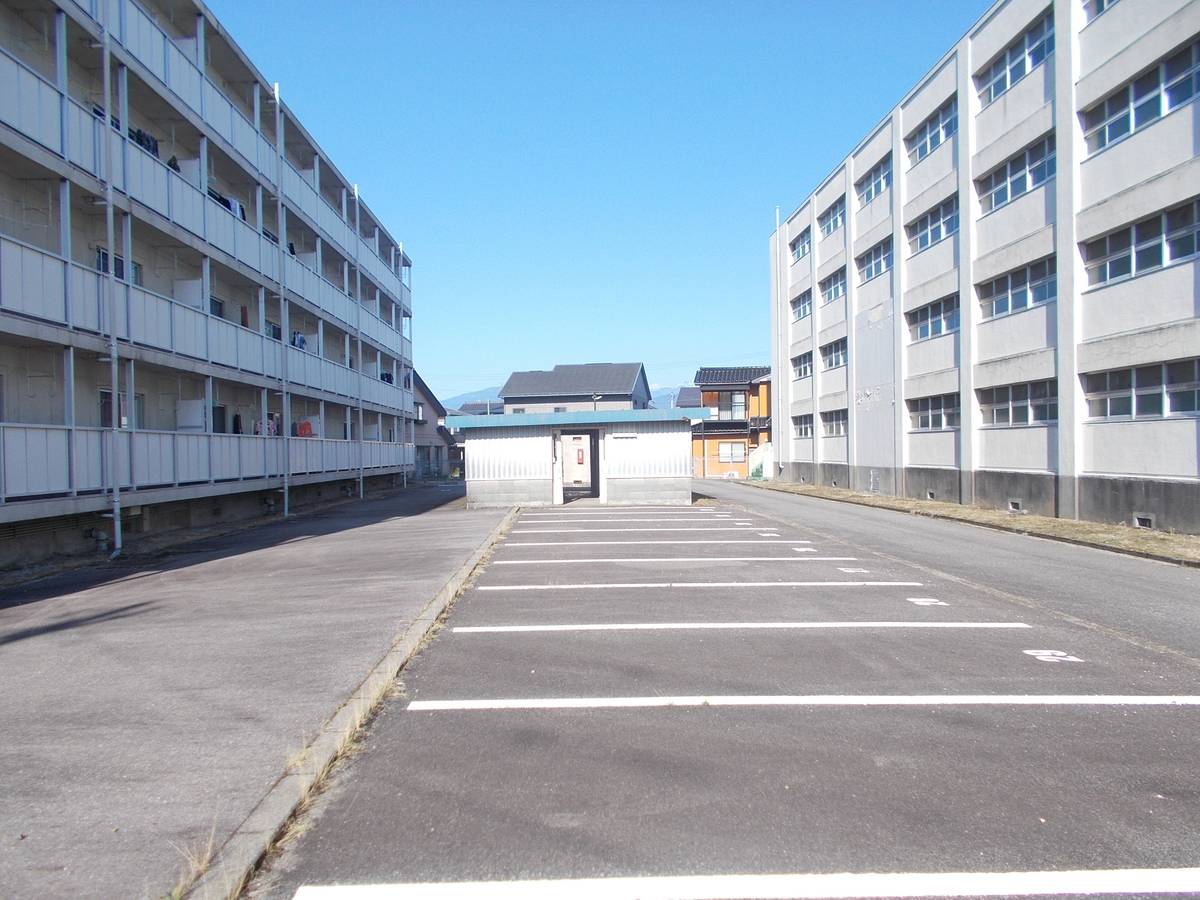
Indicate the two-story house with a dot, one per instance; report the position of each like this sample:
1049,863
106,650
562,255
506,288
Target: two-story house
725,445
591,386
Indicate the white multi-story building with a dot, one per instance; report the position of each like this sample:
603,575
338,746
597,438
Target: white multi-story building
171,233
994,298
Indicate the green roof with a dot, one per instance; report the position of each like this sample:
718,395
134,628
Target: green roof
581,417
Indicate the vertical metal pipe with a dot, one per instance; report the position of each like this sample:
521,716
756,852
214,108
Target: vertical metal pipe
114,371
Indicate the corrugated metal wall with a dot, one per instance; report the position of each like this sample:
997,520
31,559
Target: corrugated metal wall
656,450
509,454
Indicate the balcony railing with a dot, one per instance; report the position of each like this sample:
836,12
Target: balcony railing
45,286
54,460
37,109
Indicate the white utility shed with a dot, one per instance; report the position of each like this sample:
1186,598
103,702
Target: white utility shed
624,456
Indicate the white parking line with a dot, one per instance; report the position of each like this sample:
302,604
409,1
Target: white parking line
593,543
739,887
572,520
724,626
811,700
692,584
599,530
679,559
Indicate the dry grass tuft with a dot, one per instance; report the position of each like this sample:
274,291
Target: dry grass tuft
196,860
1124,538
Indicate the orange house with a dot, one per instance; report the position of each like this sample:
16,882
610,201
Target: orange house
739,398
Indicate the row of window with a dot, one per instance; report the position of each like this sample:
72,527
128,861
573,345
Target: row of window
1031,167
833,356
933,319
1170,84
1162,389
875,182
1155,391
875,261
834,286
1163,238
802,306
940,222
834,423
833,218
800,245
1020,58
933,132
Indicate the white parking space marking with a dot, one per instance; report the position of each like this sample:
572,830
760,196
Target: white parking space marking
574,543
577,521
849,700
850,570
671,559
770,887
724,626
598,530
692,584
604,586
1052,656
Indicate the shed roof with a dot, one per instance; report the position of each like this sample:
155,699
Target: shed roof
688,396
588,378
730,374
580,417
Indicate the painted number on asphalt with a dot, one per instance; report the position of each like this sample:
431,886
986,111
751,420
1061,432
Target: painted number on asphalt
927,601
1052,656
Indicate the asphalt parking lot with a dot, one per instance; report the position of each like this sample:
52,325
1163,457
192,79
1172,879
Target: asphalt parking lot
705,702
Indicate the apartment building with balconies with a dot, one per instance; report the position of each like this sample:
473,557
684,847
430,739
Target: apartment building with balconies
171,233
993,298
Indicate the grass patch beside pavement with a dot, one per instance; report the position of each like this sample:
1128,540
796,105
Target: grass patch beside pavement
1161,545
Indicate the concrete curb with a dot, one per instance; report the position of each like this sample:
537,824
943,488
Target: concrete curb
236,858
1079,542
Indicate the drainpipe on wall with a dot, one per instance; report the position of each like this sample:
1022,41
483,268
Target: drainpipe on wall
114,454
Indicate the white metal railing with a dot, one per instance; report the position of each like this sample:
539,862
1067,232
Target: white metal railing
43,285
55,460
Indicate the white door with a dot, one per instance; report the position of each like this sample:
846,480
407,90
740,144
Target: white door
577,461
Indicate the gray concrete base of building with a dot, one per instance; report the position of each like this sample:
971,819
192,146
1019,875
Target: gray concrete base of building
1164,505
34,540
519,492
649,491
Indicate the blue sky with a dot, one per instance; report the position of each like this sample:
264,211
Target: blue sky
589,181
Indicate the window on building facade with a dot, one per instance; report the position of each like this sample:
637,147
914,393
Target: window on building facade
801,245
802,306
933,413
1032,403
731,405
834,286
933,319
802,365
833,218
933,132
833,354
1159,240
1020,289
1019,58
875,261
731,451
139,410
517,411
1172,82
119,268
1145,392
560,409
1031,167
1093,8
937,224
802,426
835,422
875,182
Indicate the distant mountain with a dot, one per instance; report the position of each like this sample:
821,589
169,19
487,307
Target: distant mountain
663,398
456,402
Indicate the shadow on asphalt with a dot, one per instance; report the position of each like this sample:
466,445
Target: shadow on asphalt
72,622
331,520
